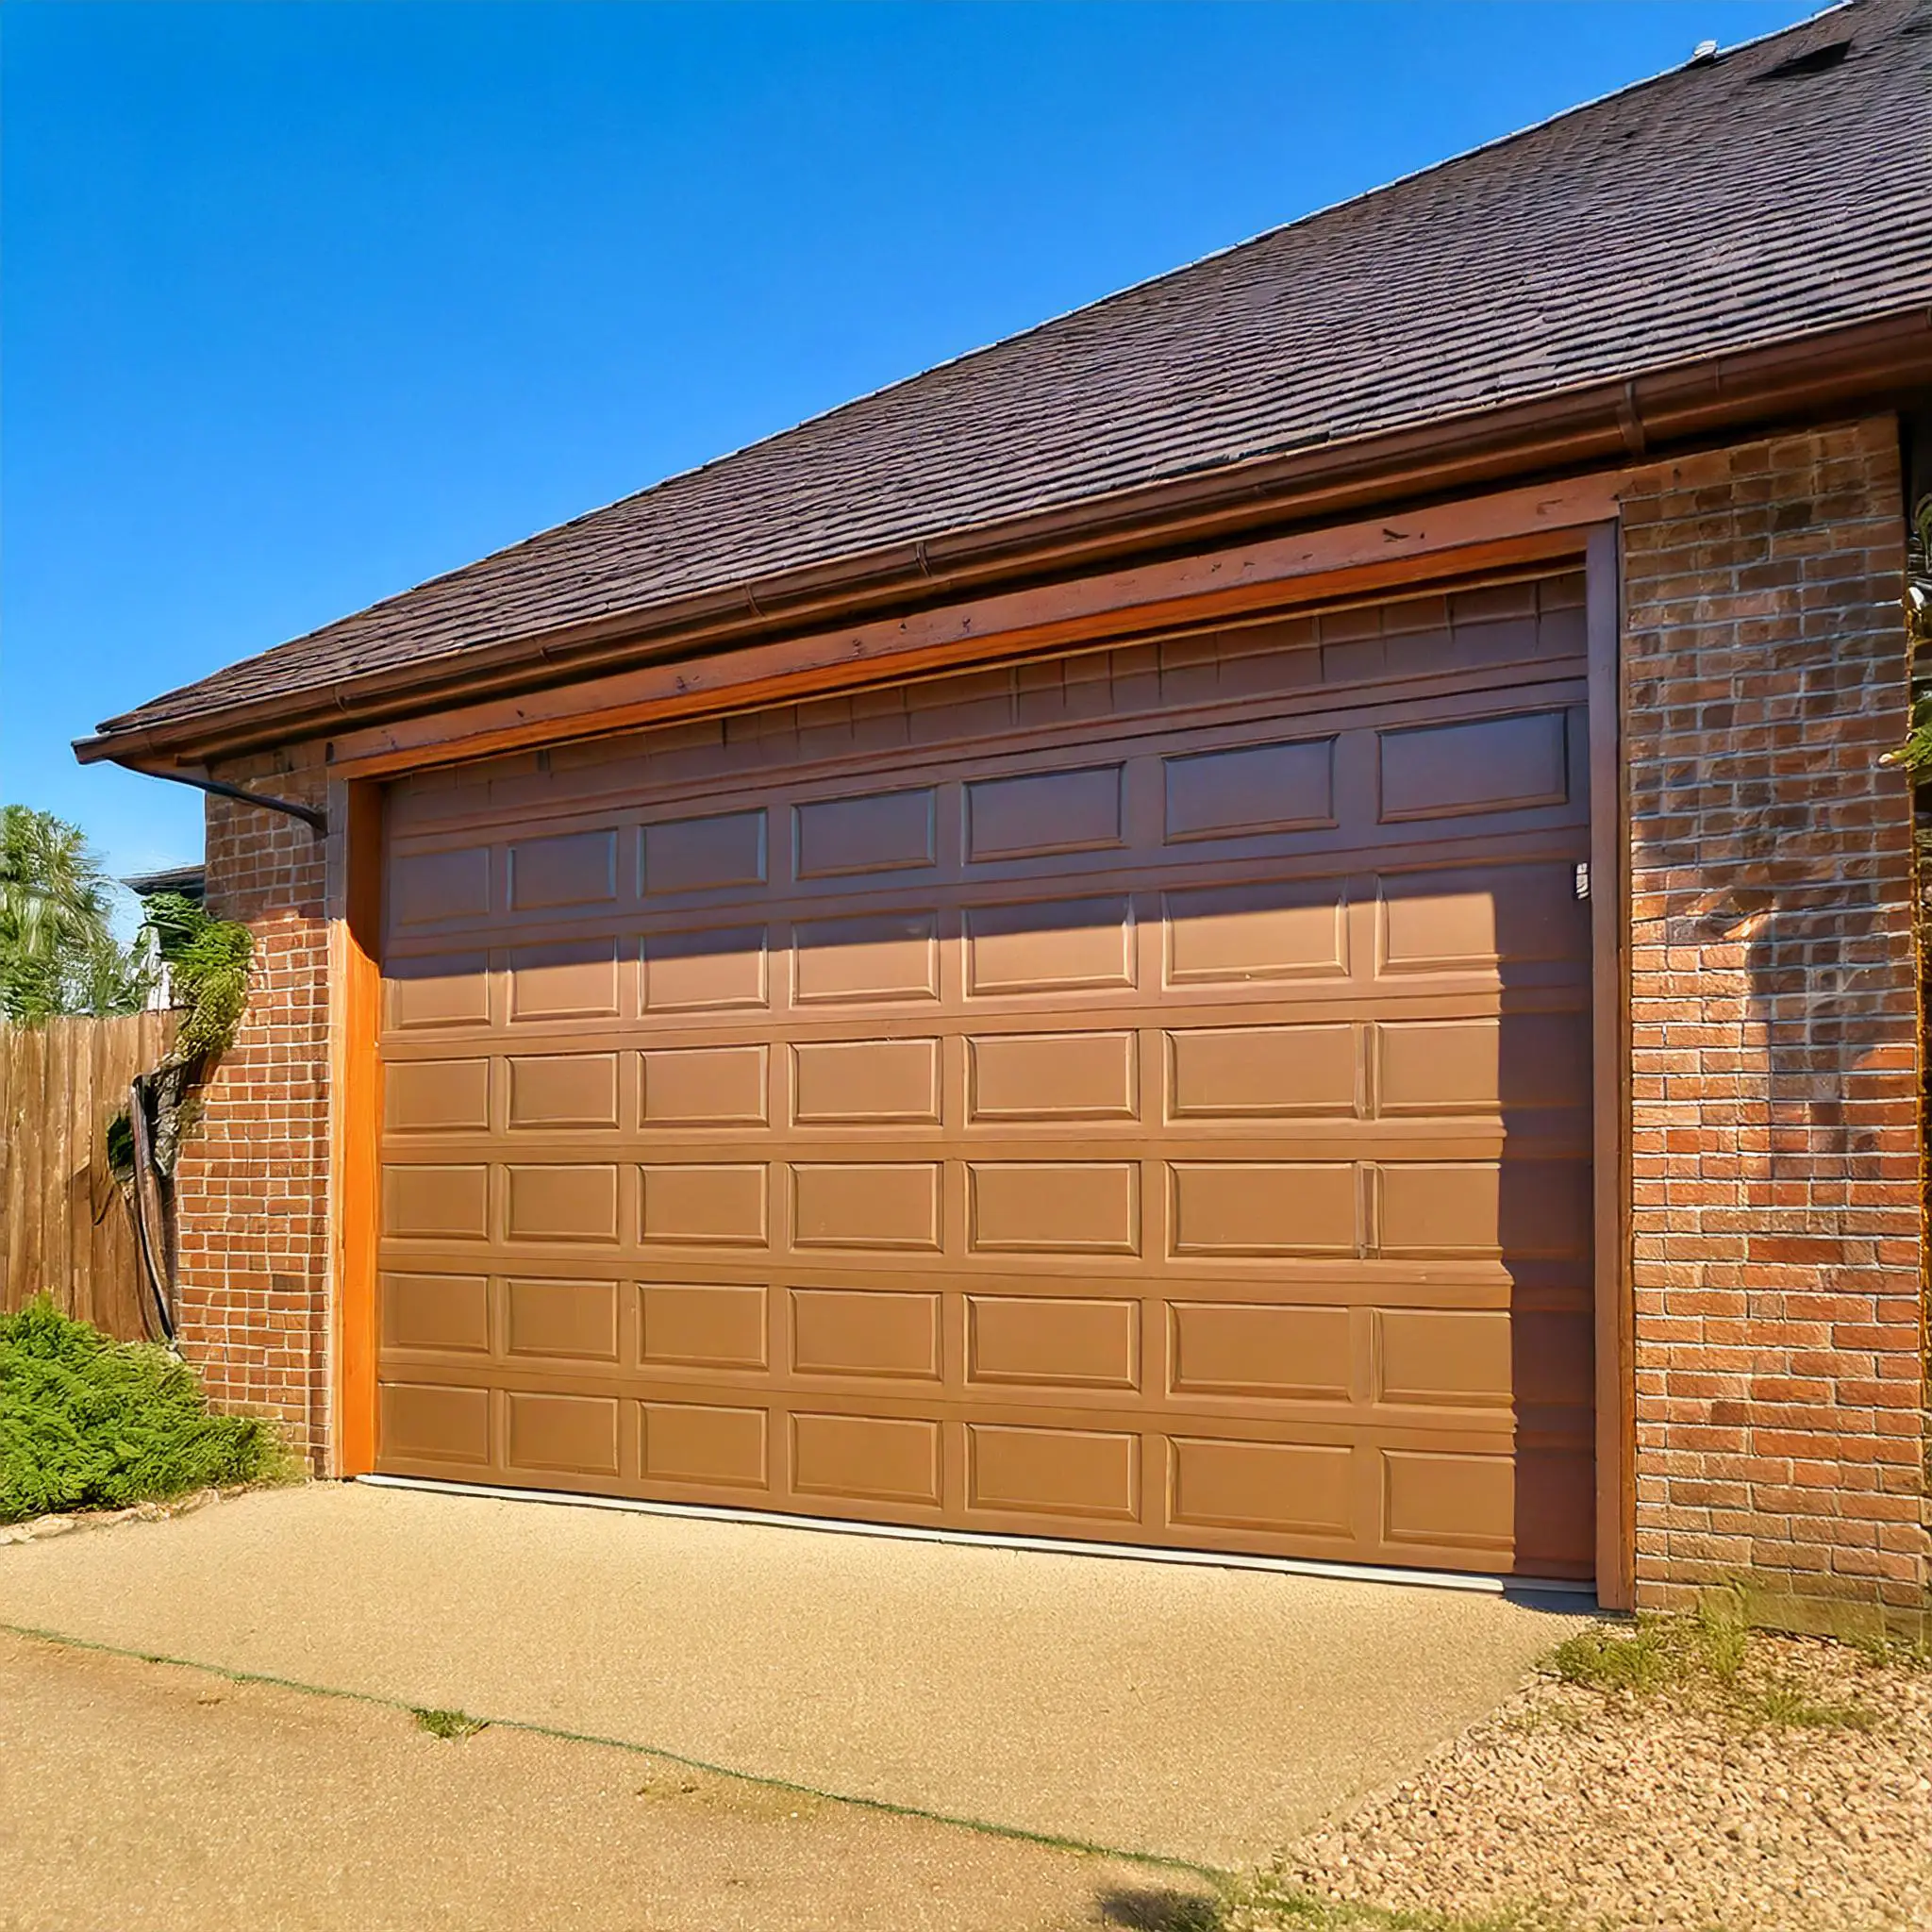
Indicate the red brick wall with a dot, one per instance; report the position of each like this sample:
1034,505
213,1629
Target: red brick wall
252,1181
1780,1400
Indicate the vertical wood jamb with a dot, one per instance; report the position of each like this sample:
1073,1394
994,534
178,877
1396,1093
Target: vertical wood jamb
354,907
1609,852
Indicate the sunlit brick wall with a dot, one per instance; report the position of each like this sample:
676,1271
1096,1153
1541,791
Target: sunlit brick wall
1780,1320
252,1181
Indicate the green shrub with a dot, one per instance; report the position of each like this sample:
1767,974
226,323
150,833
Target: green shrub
87,1423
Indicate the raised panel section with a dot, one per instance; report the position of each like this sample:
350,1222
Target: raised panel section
1482,1066
1284,1489
893,956
1440,1207
574,869
702,1443
436,1097
855,1332
701,1325
563,1089
575,1434
710,971
1061,947
1259,1349
866,1459
705,855
711,1205
1272,929
1054,1208
1043,812
1256,787
1050,1076
418,1422
576,1320
1262,1072
1484,765
889,831
866,1082
1461,1357
435,1204
1264,1207
428,885
1064,1342
1052,1471
448,990
562,1204
1463,1502
702,1086
1475,918
866,1205
439,1311
575,980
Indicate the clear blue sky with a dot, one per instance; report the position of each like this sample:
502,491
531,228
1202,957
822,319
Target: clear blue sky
305,303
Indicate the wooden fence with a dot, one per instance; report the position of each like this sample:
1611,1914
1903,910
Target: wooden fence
61,1083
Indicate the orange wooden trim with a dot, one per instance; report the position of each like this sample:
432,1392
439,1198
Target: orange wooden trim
1616,1373
1469,536
354,1112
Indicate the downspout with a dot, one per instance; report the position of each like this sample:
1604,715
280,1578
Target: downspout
315,819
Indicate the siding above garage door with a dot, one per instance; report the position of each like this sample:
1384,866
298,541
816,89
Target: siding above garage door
1142,1095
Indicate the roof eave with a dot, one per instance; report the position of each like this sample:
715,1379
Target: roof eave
1640,414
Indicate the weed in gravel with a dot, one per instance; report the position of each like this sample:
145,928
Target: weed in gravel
451,1724
1607,1658
1264,1906
1707,1658
1785,1703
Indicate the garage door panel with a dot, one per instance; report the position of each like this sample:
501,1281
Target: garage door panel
1157,1128
1074,946
571,869
694,1325
866,1457
866,1083
885,957
437,990
1286,1489
708,853
850,838
704,1444
705,1204
704,970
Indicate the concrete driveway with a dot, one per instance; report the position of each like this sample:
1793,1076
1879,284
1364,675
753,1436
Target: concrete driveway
136,1794
1194,1713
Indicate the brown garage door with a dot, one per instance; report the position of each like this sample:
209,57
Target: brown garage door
1142,1095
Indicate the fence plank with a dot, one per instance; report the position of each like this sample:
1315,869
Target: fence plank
60,1084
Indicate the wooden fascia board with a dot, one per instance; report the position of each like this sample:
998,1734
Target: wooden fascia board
1465,537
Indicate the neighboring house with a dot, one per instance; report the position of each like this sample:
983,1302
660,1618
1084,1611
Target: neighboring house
190,882
1265,919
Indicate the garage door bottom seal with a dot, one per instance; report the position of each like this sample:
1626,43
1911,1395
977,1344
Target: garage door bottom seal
1060,1547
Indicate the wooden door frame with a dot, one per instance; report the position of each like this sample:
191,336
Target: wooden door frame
354,1115
1516,533
1610,929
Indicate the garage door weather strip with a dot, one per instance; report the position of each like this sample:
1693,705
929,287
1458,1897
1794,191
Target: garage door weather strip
1059,1546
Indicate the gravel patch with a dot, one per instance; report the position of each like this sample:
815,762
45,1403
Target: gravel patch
1796,1797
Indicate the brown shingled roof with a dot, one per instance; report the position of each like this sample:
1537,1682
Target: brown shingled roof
1779,190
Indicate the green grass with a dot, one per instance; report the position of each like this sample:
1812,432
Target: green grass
90,1424
449,1723
1262,1906
1708,1657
